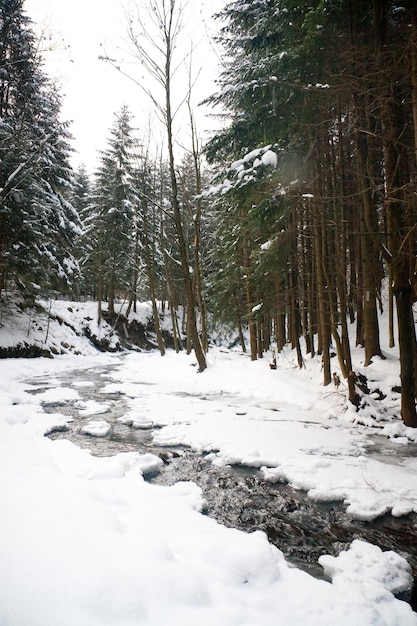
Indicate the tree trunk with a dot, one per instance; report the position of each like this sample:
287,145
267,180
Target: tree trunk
149,261
369,246
396,172
413,40
189,293
99,284
239,325
198,281
280,316
251,321
319,261
324,325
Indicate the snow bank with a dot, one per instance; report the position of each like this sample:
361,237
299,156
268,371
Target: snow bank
88,541
56,327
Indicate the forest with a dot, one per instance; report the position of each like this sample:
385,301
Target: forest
287,226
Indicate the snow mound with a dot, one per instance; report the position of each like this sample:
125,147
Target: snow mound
365,564
96,428
91,407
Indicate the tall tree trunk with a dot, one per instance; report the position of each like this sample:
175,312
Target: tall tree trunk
189,292
111,288
413,41
324,324
253,340
293,284
174,319
198,280
133,293
396,171
341,270
319,261
280,316
99,284
149,262
369,245
239,324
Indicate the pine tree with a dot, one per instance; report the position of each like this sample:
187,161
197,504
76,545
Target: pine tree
331,83
37,223
262,86
113,205
81,199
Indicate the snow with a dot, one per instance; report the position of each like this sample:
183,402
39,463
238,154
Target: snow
269,158
96,428
245,170
91,407
265,246
365,564
87,541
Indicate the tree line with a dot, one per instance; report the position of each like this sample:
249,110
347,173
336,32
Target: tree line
129,246
332,87
133,228
311,209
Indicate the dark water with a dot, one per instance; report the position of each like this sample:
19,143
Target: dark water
235,496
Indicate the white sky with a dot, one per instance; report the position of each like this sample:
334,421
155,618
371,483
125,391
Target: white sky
78,32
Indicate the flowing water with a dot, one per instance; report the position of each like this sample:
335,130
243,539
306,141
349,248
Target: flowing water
235,496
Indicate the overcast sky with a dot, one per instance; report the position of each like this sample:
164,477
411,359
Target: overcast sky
78,32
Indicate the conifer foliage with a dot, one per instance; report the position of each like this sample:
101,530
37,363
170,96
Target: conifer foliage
331,87
113,206
37,223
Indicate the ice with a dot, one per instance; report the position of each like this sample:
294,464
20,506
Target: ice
96,428
91,407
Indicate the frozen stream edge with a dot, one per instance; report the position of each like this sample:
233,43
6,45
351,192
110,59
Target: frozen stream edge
236,496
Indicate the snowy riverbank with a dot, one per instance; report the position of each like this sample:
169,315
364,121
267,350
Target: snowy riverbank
87,541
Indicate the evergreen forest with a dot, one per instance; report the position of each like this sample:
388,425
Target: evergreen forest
294,224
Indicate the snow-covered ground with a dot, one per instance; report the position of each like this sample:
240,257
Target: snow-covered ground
86,541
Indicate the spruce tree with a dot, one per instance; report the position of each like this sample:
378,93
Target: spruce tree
81,199
332,84
113,209
37,222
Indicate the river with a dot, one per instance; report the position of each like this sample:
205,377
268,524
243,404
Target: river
235,496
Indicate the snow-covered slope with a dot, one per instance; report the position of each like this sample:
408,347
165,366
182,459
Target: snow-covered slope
48,328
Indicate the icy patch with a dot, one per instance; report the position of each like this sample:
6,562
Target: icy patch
83,383
91,407
142,424
96,428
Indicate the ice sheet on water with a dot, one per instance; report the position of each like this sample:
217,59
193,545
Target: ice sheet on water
96,428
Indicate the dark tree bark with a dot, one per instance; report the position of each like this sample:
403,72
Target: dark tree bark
396,172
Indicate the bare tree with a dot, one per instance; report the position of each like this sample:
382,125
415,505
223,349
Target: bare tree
198,281
154,40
